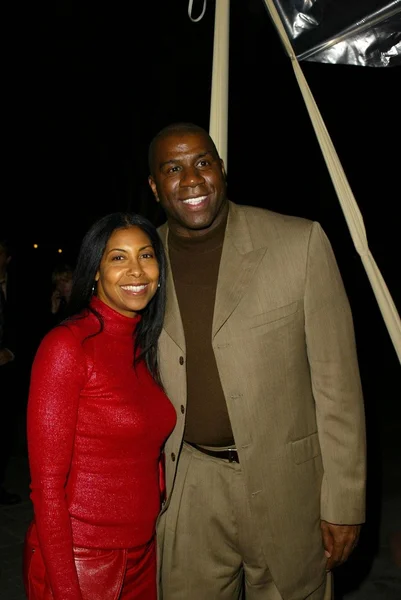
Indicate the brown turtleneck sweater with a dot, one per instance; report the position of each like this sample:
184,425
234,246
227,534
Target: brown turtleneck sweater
195,265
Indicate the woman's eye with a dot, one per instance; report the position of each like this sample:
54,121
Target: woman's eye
117,257
147,255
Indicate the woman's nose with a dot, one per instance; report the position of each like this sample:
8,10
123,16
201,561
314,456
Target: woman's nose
135,269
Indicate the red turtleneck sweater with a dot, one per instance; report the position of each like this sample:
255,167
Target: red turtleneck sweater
96,428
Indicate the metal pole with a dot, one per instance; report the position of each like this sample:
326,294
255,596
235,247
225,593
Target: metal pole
218,125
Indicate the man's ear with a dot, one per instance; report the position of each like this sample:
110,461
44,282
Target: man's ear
223,169
153,187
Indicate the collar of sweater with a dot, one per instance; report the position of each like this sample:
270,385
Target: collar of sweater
201,243
113,321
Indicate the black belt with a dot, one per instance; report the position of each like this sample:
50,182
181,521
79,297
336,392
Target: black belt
231,454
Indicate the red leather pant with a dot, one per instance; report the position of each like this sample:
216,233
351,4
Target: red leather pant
103,574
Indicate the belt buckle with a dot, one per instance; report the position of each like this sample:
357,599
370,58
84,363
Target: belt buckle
232,455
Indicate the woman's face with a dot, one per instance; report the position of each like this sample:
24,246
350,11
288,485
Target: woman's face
129,272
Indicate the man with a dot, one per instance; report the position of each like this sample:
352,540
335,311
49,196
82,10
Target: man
265,470
8,409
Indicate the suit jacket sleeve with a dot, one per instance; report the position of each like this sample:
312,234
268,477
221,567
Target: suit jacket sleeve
336,385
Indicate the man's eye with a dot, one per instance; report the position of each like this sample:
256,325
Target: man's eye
203,163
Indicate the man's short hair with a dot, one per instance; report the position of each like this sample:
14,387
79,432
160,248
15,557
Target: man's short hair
179,127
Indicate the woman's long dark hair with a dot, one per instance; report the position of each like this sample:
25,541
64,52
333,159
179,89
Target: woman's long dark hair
93,245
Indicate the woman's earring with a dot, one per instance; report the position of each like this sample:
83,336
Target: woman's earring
93,288
158,285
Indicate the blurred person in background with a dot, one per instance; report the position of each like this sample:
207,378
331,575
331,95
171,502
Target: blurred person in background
61,278
51,303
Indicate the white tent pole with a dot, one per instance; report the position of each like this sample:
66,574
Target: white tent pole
346,198
218,124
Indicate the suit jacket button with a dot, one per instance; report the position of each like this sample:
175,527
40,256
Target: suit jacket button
173,456
181,360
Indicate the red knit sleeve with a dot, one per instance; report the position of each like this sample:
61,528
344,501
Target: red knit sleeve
58,375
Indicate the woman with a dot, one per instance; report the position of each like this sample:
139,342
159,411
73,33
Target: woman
97,422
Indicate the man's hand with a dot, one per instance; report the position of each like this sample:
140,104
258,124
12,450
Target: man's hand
338,541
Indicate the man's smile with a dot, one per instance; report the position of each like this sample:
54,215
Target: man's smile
195,201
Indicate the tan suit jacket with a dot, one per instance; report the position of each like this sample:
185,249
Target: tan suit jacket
284,345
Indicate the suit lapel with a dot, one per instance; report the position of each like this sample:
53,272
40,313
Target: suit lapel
172,320
239,261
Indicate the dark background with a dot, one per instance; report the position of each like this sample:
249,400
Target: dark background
92,82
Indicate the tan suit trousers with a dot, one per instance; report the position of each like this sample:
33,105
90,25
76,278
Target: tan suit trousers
212,548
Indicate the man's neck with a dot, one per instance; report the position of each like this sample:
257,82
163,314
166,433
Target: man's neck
180,231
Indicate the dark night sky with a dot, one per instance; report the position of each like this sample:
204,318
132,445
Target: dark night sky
92,82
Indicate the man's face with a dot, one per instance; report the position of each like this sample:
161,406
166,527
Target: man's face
189,182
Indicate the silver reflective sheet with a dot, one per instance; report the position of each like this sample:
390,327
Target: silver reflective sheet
352,32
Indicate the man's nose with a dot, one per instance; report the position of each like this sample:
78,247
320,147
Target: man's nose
192,177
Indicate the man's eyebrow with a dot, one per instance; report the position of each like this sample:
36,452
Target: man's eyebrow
174,161
168,162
